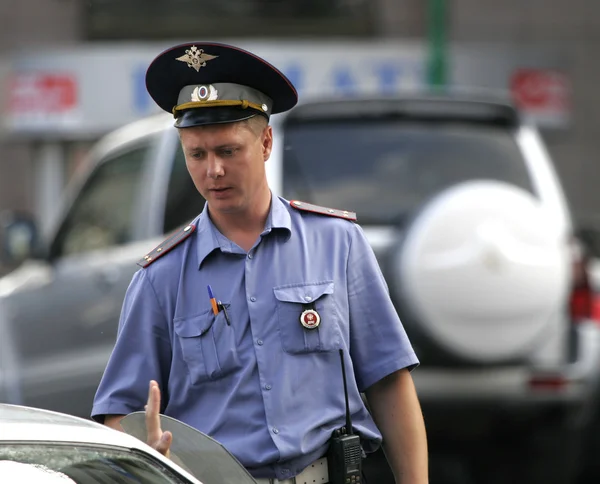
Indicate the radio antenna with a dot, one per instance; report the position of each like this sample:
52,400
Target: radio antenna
348,420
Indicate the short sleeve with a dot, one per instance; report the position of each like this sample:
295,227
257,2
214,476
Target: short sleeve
141,353
379,345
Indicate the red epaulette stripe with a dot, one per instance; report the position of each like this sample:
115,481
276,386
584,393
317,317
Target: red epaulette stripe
166,246
332,212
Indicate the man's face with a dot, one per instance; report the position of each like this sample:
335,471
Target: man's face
227,162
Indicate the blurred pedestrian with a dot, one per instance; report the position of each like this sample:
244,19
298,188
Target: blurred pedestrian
239,318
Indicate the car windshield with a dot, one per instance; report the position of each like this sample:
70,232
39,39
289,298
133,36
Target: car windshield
103,214
384,169
80,464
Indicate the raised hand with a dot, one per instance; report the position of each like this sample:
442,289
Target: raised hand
157,439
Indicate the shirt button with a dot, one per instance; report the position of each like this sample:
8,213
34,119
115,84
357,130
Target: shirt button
259,342
253,299
250,256
307,298
268,387
275,430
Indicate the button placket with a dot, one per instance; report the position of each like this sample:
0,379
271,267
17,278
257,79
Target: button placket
256,301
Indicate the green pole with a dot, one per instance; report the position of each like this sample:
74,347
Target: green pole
437,43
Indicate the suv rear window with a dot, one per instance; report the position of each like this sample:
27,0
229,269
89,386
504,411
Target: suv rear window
383,169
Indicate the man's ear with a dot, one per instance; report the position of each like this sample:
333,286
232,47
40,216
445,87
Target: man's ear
267,142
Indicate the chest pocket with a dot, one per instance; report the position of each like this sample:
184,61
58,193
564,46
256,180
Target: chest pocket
292,300
208,346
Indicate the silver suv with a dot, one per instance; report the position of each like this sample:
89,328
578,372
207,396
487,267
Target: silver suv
463,208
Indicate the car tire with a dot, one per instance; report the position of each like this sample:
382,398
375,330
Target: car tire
546,456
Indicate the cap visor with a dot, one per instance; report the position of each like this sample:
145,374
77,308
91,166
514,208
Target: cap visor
213,115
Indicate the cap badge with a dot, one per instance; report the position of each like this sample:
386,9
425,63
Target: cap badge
196,58
204,93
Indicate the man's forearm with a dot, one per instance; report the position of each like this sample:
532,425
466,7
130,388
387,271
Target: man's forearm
113,421
397,413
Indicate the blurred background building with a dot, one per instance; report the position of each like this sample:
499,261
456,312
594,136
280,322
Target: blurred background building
71,70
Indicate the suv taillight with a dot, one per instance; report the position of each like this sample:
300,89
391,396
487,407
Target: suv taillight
583,304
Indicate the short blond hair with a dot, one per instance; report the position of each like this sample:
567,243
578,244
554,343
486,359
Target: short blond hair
256,124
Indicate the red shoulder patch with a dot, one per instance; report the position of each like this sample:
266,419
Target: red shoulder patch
167,245
332,212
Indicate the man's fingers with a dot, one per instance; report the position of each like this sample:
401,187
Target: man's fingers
153,403
157,439
164,444
153,413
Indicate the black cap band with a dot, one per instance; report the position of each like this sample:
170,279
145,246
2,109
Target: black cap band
201,117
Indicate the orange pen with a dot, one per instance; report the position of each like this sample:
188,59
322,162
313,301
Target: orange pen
213,301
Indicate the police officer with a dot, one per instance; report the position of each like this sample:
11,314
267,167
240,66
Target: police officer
239,317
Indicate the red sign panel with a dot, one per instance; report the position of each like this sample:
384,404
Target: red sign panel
41,93
542,93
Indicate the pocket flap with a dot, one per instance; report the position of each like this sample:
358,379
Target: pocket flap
303,293
190,327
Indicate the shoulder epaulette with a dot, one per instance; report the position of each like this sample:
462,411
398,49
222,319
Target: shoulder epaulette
167,245
332,212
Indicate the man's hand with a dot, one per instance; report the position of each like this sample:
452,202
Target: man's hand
157,439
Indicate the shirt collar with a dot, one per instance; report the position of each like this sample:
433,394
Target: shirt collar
209,238
279,216
206,240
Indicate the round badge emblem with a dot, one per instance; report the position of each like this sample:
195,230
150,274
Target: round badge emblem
310,319
204,93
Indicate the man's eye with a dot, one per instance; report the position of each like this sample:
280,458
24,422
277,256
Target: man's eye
228,152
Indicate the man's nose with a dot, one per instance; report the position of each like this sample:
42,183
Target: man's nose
215,167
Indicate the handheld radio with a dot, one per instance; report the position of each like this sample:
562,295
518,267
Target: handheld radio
344,457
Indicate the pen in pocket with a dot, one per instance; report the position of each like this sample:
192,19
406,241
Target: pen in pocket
218,306
213,301
224,308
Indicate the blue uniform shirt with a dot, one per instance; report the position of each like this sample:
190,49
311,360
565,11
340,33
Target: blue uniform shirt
268,389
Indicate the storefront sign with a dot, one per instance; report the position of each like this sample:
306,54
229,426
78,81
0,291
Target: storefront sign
43,100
